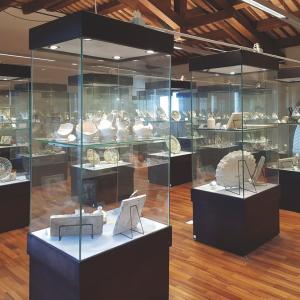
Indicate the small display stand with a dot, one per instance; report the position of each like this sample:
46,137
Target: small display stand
180,169
229,222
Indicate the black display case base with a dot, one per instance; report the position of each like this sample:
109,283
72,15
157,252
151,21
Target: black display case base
234,224
180,170
14,205
103,185
289,181
136,270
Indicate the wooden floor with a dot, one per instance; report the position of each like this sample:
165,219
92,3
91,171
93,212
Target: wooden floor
196,271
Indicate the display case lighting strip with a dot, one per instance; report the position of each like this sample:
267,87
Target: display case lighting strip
265,8
27,57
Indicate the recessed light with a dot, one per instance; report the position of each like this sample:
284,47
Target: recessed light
54,47
168,55
177,48
150,52
135,60
5,79
116,57
100,60
74,64
264,69
87,39
232,73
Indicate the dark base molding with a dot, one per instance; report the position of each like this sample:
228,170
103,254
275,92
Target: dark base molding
136,270
233,224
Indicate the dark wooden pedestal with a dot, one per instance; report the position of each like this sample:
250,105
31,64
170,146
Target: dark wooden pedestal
138,270
234,224
14,206
289,183
47,168
103,186
180,171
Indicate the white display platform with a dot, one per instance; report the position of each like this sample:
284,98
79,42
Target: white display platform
100,243
166,154
17,180
233,193
102,166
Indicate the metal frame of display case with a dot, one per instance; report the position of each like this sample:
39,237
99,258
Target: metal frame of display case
15,196
289,177
139,268
180,164
235,223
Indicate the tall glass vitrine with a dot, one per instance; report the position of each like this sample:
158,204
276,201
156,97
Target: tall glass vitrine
105,210
14,146
235,112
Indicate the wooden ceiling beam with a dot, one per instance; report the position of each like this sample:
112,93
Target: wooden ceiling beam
4,4
272,23
37,5
109,7
180,7
249,29
61,5
289,42
204,19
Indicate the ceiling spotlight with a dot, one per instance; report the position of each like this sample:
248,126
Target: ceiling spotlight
74,64
87,39
53,47
135,60
266,7
100,60
232,73
116,57
177,48
5,79
150,52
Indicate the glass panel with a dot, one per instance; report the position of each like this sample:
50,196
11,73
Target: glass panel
14,129
109,165
235,136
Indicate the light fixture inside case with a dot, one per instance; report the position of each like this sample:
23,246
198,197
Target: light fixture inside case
117,57
53,47
150,52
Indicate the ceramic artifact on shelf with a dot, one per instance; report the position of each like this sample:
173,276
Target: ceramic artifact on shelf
211,122
176,116
161,114
142,131
111,155
64,130
5,168
93,157
122,130
89,130
231,165
173,145
106,128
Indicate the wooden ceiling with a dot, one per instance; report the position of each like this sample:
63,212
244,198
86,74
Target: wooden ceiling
231,21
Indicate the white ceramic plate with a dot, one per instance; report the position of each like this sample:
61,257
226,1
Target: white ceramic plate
175,147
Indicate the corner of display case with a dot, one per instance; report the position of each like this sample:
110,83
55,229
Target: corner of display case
83,24
233,58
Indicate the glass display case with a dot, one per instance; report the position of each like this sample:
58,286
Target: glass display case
235,121
152,105
14,144
105,209
289,137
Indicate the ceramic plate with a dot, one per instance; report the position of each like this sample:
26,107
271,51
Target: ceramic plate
5,168
175,145
176,116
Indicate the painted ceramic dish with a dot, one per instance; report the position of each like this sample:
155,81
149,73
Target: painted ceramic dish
111,155
173,145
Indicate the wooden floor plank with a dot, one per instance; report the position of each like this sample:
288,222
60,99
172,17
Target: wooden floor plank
197,271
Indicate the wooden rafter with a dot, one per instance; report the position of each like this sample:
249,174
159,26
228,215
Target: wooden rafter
110,7
34,6
180,7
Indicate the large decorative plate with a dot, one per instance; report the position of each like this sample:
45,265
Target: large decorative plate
65,129
111,155
5,168
173,145
176,116
230,166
